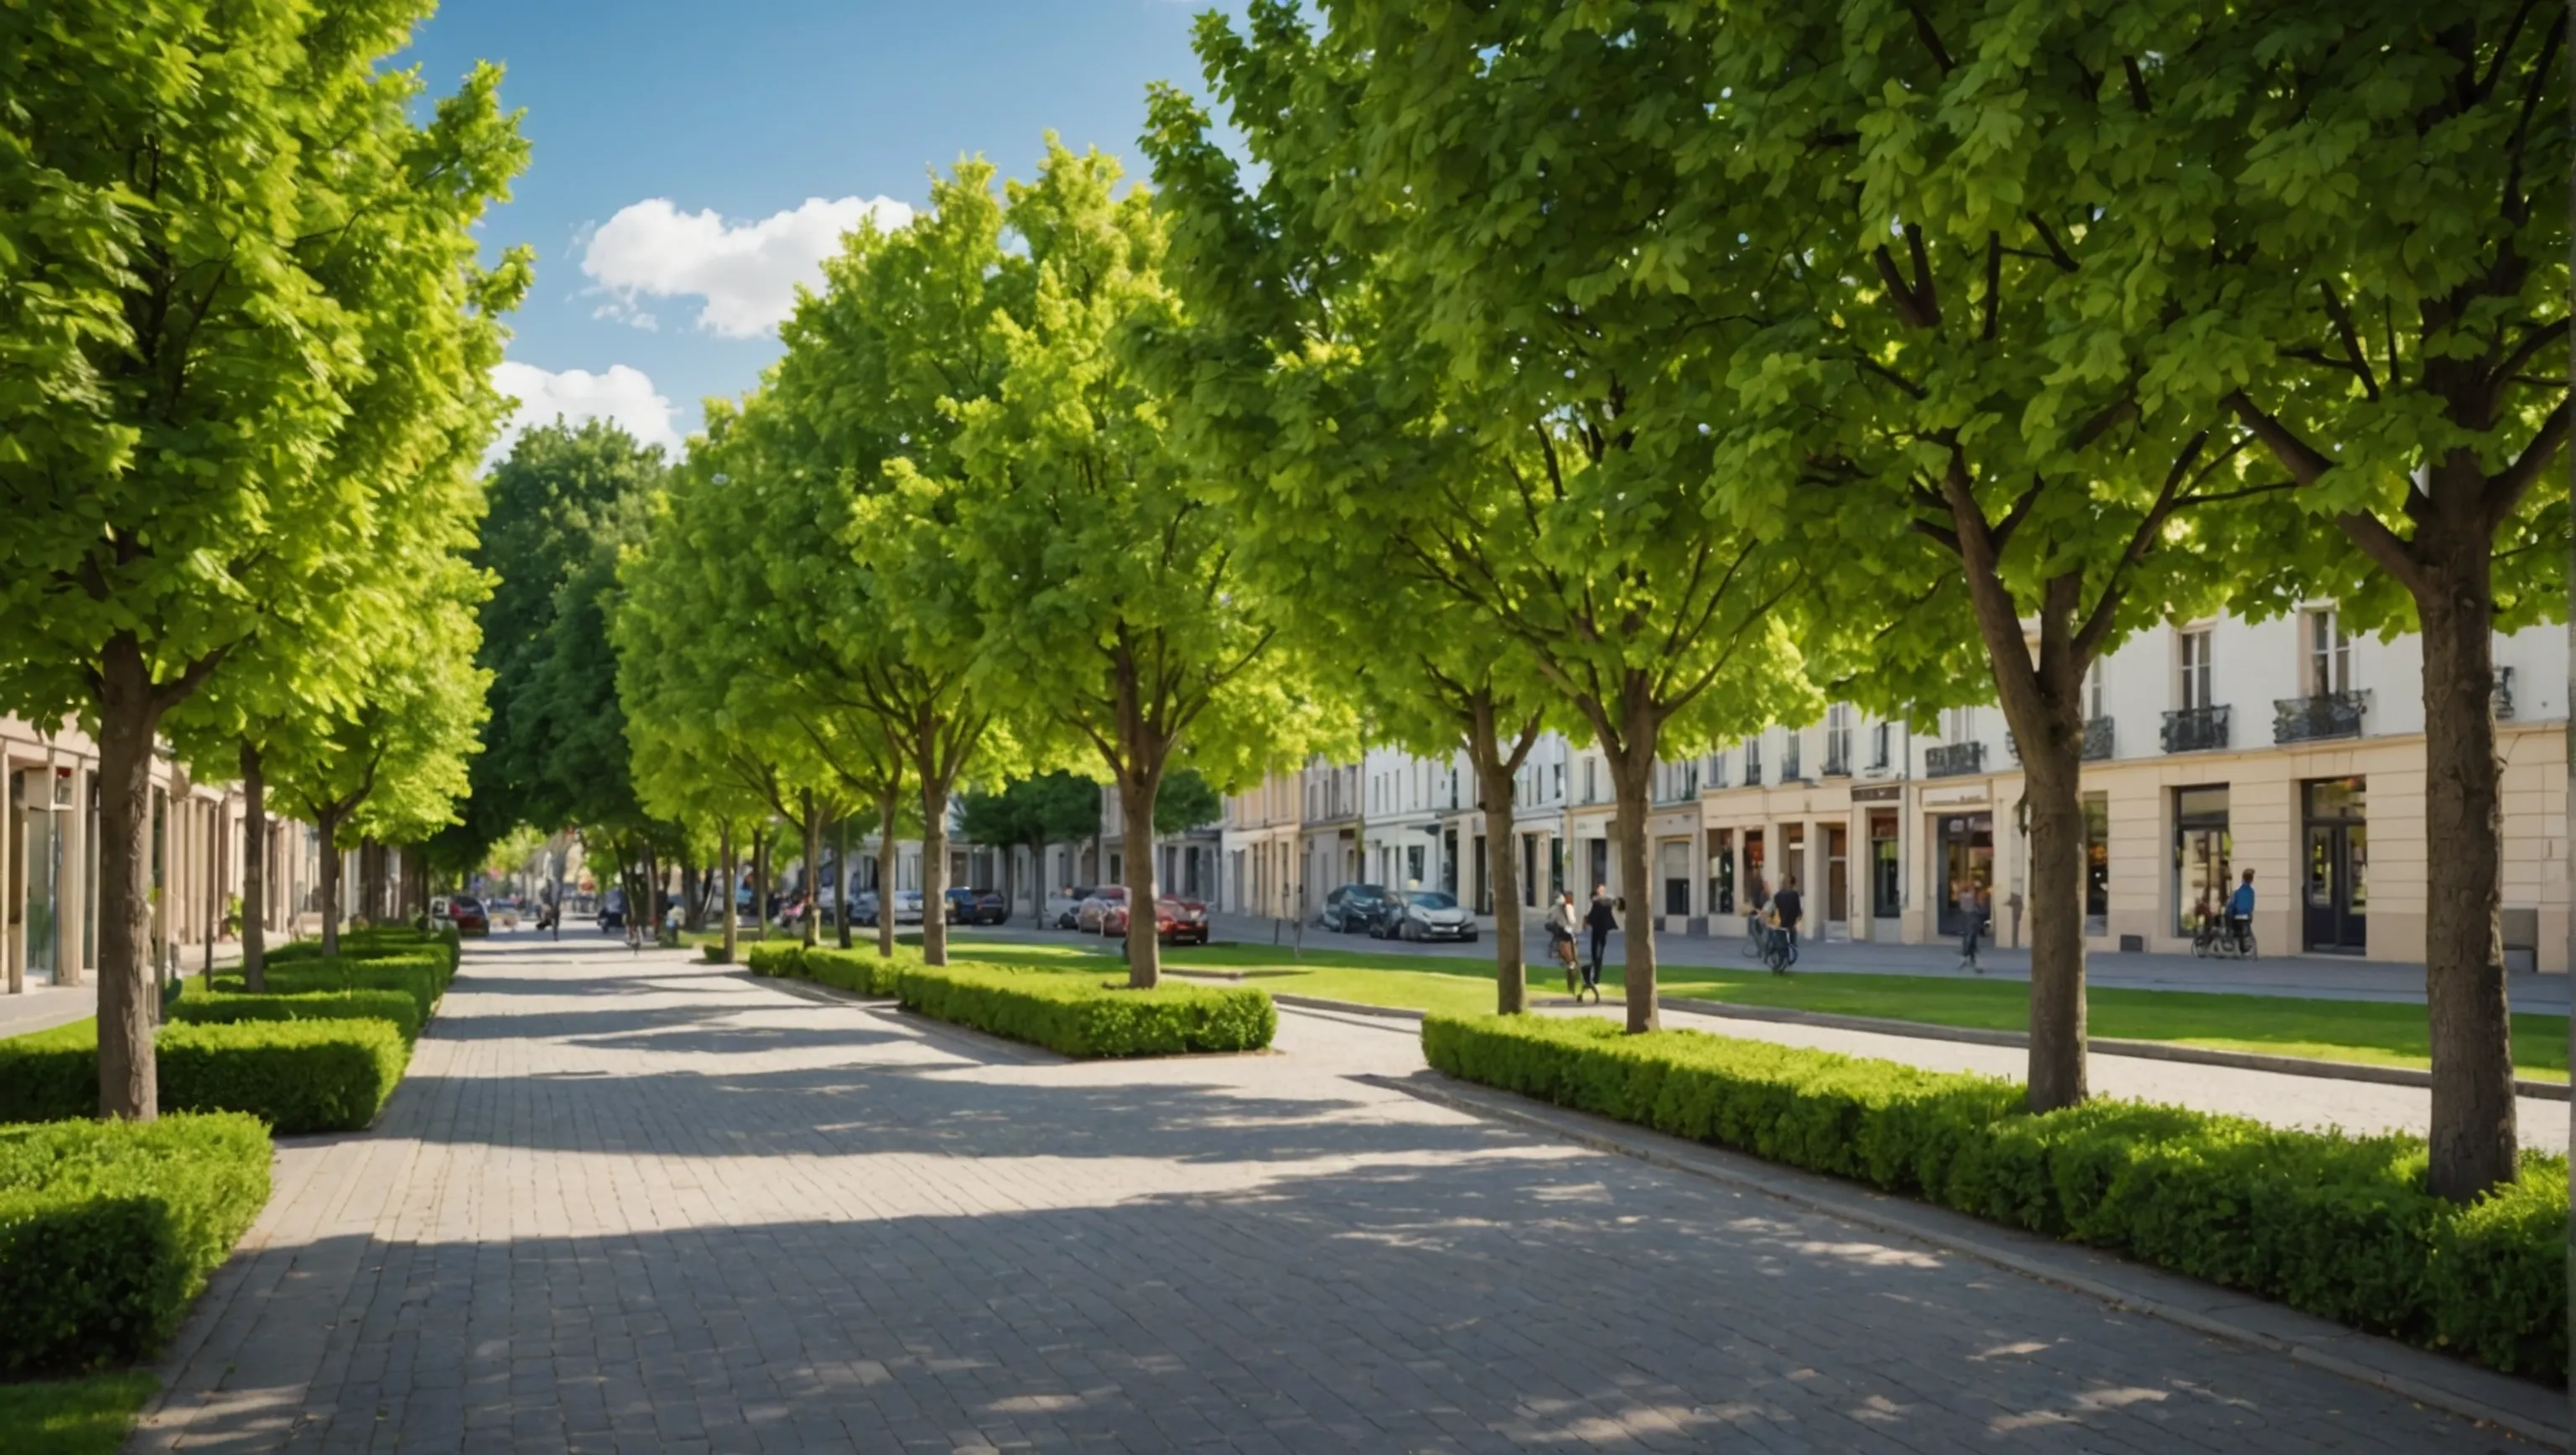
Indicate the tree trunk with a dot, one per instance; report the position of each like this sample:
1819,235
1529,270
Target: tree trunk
732,876
934,870
653,893
760,881
841,879
807,931
129,718
254,934
1632,781
1494,791
887,858
1136,794
2474,1139
693,896
2052,769
327,825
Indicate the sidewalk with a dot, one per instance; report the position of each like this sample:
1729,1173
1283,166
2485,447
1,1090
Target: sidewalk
41,1007
2318,977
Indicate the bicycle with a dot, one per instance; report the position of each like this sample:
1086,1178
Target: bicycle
1756,942
1777,952
2216,939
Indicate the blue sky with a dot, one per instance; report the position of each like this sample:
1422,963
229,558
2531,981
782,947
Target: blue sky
692,161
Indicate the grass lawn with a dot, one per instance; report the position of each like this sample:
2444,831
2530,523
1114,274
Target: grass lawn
2335,1030
85,1416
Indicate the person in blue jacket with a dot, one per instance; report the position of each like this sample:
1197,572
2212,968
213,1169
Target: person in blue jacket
2240,908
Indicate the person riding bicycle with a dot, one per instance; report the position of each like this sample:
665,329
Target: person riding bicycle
2240,911
1561,925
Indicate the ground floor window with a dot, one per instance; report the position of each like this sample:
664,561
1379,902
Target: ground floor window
1721,871
1413,866
1886,876
1449,862
2097,863
1674,855
2203,849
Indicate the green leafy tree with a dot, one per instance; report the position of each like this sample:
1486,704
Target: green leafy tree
564,503
1187,801
240,312
1421,329
1115,617
2400,222
861,410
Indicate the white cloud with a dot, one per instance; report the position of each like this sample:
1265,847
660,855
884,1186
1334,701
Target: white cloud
623,396
746,272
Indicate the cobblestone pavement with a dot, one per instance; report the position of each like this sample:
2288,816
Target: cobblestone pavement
628,1203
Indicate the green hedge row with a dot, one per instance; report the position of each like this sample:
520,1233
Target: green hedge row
376,943
215,1007
296,1075
2340,1226
1071,1011
108,1229
423,975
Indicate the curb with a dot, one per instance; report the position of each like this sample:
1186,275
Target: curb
2098,1045
2435,1380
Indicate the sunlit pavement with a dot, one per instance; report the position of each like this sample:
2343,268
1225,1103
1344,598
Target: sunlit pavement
631,1202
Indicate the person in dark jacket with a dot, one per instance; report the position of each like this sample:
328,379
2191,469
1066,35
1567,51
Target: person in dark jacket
1601,919
1790,906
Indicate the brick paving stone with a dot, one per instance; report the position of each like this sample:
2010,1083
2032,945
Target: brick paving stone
628,1203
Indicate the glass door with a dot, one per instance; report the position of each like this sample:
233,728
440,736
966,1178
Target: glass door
2335,893
1967,857
42,845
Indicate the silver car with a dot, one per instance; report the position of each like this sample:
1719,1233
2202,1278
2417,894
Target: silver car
1424,914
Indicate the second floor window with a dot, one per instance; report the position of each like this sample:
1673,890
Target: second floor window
1838,737
2329,654
1958,725
1881,745
1752,762
2195,670
2095,702
1591,779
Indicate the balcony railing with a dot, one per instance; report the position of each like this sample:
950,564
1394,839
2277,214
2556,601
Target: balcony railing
1950,760
2321,715
2195,729
2504,694
2099,743
1837,764
1789,764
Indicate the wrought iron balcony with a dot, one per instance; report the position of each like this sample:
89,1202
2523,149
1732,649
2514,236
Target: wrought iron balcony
2196,729
1752,766
1789,764
1950,760
2504,694
2321,715
1837,765
2099,742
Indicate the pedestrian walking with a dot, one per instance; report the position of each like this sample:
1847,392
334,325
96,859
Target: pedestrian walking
1601,919
1561,925
1972,922
2240,910
1790,906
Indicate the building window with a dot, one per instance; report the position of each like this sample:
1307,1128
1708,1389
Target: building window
1556,791
1752,762
1958,724
1790,770
1881,745
1591,780
1838,732
2329,654
2095,703
2195,685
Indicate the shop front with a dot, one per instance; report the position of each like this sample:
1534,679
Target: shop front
1966,855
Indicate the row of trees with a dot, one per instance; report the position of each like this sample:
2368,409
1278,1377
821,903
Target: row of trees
952,538
1648,375
248,344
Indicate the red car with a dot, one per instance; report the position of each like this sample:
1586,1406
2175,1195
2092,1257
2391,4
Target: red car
467,913
1176,921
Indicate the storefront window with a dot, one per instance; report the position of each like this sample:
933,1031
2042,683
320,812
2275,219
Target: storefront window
2202,850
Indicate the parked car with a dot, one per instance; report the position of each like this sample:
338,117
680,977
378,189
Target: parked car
977,907
1092,918
469,916
1180,921
1064,907
1353,908
1424,914
907,907
612,911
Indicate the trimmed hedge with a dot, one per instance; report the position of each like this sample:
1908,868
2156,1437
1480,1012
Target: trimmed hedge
214,1007
108,1230
296,1075
1068,1011
376,943
422,975
2339,1226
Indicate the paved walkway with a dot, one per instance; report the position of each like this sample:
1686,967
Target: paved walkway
629,1203
2329,977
